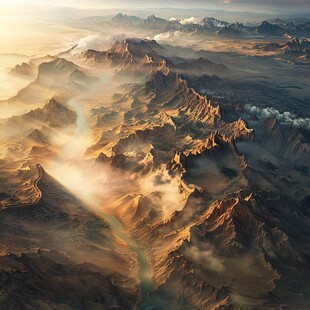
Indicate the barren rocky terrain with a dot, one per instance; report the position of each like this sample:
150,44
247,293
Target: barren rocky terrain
159,176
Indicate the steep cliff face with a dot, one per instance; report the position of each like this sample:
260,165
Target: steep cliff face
166,90
296,50
173,117
141,58
270,29
225,245
186,101
66,72
293,141
133,58
67,273
214,259
206,212
200,66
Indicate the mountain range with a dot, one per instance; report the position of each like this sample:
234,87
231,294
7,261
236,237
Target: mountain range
150,176
209,25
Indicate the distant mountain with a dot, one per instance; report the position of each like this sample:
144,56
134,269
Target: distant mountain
269,46
229,32
59,66
302,30
153,22
66,274
266,28
124,52
24,69
212,23
39,60
278,21
61,72
197,67
53,114
123,19
132,57
270,27
94,57
294,142
238,26
279,27
296,49
288,21
142,58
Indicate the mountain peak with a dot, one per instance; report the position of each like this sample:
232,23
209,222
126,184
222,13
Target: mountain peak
121,18
54,114
163,67
151,18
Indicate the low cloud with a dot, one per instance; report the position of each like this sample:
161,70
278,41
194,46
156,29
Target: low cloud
98,42
167,36
186,21
190,20
287,118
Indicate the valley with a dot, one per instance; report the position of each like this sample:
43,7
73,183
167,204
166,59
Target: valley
138,173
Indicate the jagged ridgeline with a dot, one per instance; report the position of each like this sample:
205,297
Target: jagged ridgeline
143,175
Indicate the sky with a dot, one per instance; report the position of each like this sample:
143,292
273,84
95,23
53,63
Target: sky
254,6
27,25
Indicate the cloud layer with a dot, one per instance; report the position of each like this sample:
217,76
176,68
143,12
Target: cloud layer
287,118
186,21
167,36
98,42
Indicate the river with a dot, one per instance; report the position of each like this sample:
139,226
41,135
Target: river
75,148
145,271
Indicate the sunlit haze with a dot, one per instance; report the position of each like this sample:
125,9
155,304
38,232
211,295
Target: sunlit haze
154,154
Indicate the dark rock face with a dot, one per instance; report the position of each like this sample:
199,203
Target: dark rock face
297,49
270,29
123,19
55,256
229,32
293,141
55,281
